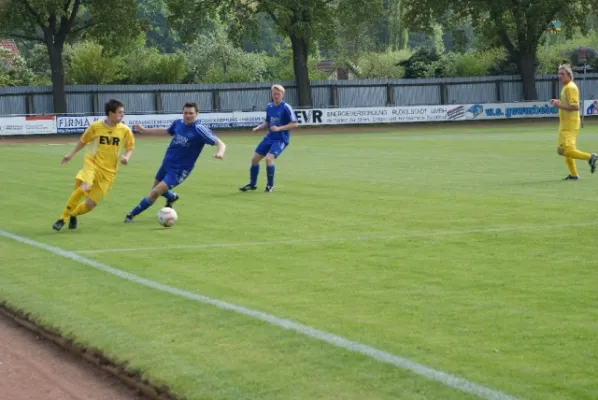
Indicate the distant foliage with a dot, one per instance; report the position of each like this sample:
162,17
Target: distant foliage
557,50
148,66
422,64
214,59
14,71
90,64
382,65
279,67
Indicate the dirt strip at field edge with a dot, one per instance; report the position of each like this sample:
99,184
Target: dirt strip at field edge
138,387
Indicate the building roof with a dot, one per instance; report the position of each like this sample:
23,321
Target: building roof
10,45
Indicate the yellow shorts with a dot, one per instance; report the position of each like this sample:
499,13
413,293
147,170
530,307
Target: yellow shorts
100,182
567,138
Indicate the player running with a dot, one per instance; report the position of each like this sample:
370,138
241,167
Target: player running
104,141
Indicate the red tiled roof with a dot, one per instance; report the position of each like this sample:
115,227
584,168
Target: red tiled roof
10,45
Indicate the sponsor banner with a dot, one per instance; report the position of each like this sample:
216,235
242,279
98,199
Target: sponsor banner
31,125
590,108
457,112
336,116
78,124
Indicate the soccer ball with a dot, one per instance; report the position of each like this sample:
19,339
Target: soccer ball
167,217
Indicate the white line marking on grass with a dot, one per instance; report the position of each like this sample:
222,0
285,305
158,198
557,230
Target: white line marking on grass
339,239
338,341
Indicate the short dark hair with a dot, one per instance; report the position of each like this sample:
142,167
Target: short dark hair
112,105
191,104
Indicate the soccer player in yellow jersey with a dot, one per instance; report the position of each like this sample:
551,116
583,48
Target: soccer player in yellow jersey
104,142
569,123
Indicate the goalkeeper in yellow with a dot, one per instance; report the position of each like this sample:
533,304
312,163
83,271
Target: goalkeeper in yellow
569,106
104,142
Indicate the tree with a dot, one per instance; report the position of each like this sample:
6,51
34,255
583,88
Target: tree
159,34
389,29
55,22
305,23
86,70
14,71
146,66
517,24
266,38
214,59
357,33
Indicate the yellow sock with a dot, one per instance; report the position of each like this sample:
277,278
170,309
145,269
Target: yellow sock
578,155
72,202
80,210
572,167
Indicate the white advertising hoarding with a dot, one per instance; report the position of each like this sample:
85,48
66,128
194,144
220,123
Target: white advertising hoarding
306,117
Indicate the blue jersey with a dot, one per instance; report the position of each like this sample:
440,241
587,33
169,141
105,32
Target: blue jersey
279,115
186,144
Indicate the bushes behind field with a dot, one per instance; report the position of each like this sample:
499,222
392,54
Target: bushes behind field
214,59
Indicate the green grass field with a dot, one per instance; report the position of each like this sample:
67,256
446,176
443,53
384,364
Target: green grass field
457,247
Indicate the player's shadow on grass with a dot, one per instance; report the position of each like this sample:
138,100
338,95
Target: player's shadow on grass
532,183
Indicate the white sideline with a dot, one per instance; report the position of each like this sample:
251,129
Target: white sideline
339,341
339,239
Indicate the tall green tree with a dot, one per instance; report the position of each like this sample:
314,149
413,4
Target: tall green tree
517,24
389,30
305,23
155,14
55,22
214,59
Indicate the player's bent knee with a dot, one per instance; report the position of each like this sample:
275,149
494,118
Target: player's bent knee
90,204
155,194
158,190
86,187
270,158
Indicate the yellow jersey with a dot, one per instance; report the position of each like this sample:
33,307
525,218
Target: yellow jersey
104,144
569,120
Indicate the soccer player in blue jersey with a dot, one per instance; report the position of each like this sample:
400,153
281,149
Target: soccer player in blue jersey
279,119
188,140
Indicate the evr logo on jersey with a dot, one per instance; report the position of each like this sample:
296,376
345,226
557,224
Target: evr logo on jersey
109,140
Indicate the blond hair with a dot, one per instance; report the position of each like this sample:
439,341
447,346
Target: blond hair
278,87
568,69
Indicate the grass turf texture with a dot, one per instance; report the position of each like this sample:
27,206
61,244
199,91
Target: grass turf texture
384,238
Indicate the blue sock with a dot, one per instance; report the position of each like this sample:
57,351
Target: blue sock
143,205
169,194
254,171
270,172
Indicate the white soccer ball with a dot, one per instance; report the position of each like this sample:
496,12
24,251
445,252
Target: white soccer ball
167,216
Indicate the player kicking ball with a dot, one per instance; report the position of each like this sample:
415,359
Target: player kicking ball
279,119
188,140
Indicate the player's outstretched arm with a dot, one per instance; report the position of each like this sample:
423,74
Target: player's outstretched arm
221,149
155,131
77,148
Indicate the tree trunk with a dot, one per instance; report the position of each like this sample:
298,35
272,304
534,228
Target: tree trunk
403,34
526,61
300,55
393,26
55,53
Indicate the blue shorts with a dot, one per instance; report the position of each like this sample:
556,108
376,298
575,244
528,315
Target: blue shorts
275,147
171,176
